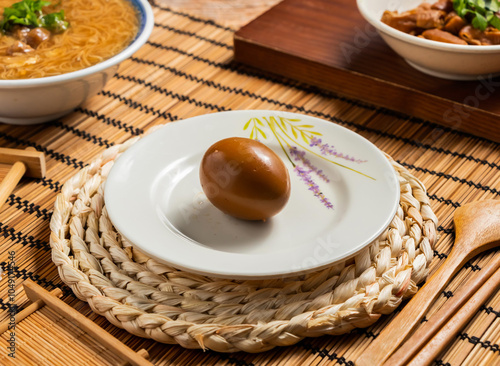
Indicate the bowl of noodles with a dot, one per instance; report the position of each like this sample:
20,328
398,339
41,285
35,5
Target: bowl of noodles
54,56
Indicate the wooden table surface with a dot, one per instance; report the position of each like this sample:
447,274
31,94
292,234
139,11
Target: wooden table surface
233,13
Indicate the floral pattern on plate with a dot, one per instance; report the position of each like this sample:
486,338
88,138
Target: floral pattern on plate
290,134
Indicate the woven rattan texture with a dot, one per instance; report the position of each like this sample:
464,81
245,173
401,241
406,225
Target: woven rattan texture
186,69
149,299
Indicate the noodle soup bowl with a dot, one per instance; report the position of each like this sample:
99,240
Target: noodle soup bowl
31,101
444,60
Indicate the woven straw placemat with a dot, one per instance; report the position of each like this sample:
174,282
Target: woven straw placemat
152,300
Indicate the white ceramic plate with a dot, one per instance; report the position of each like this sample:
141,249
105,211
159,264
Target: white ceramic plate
154,197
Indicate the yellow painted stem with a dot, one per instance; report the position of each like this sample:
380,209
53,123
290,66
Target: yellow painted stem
322,157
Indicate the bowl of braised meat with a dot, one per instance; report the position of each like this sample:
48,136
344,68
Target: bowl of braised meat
55,54
451,39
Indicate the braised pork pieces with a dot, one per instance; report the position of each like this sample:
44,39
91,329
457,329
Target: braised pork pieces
441,22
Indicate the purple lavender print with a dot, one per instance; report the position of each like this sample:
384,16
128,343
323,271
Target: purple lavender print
289,134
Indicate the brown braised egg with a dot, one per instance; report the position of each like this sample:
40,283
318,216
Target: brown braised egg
245,179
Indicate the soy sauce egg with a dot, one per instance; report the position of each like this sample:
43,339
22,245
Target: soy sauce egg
245,179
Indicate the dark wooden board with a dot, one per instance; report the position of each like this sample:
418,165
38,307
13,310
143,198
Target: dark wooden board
328,44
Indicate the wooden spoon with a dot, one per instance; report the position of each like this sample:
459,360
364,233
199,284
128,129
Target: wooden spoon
477,229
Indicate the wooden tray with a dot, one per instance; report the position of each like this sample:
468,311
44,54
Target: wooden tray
328,44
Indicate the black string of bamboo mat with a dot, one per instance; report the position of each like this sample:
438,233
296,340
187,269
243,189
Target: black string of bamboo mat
105,143
455,167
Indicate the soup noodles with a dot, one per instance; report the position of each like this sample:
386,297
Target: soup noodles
98,30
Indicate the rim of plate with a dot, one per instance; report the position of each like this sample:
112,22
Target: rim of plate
233,271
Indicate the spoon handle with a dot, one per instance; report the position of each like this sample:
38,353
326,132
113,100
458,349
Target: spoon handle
424,334
402,325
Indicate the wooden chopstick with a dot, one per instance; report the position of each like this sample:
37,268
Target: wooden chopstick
447,322
36,292
432,349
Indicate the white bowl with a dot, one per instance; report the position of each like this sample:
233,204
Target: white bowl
444,60
30,101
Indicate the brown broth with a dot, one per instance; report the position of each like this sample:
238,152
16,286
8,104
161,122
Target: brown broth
98,30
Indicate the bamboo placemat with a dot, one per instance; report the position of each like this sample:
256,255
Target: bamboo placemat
48,330
185,70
